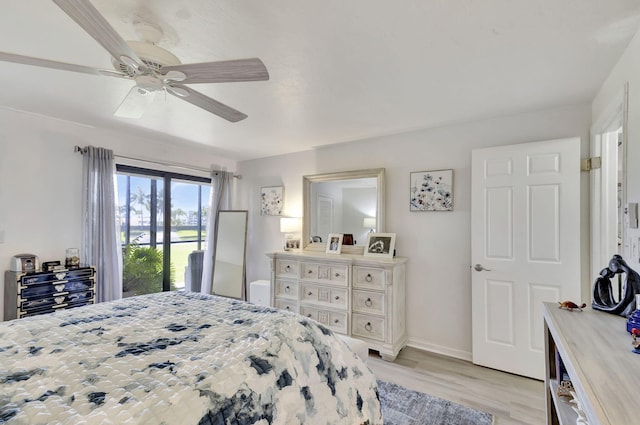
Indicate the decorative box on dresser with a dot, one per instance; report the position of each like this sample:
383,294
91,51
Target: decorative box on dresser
33,293
362,297
595,349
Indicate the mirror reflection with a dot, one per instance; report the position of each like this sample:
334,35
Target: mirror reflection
350,203
229,254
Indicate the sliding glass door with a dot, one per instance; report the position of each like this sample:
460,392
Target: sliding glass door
163,219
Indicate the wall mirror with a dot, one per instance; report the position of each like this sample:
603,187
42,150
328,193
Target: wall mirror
349,202
229,254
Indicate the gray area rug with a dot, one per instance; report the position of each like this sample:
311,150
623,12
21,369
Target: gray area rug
402,406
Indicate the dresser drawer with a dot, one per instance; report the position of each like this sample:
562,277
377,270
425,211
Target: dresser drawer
368,326
369,277
53,303
325,272
289,305
286,288
334,320
287,268
369,302
54,278
336,297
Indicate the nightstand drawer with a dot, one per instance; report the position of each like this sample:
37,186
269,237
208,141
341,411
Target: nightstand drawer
368,277
334,320
325,272
286,288
287,268
368,326
369,302
336,297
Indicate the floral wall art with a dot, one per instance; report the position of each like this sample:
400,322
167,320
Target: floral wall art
432,190
271,200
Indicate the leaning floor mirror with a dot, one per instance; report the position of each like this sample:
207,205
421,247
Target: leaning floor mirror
229,254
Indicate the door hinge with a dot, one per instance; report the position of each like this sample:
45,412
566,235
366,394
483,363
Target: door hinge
590,163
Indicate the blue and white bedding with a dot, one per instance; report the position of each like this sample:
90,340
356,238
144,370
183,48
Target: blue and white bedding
180,358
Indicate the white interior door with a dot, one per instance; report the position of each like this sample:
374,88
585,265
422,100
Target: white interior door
525,242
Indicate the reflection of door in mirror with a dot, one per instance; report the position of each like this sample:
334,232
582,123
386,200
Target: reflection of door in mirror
229,254
324,216
608,190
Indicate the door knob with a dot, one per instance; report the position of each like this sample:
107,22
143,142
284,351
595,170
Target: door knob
480,268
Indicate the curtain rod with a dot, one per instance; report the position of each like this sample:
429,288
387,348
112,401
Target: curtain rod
166,163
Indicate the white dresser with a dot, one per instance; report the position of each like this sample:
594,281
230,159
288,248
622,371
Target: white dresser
359,296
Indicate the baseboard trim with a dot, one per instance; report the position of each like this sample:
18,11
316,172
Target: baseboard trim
439,349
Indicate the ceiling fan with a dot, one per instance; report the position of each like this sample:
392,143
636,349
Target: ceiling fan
153,68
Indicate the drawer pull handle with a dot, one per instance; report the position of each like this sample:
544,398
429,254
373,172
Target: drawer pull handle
368,278
337,274
60,276
288,268
287,289
309,315
336,321
310,293
59,306
337,297
287,308
367,327
310,271
368,302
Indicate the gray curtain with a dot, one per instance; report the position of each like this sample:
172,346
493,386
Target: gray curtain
100,230
220,200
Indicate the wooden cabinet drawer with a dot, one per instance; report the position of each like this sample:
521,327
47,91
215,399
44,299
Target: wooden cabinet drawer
336,297
334,320
369,277
368,326
369,302
325,272
287,268
289,305
286,288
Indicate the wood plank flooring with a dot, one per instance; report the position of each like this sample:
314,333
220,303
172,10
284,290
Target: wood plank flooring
512,399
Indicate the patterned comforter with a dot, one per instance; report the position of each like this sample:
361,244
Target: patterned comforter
180,358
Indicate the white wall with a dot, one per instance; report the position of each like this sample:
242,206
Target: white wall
627,70
41,179
437,244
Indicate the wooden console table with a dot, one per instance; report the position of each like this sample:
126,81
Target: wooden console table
596,350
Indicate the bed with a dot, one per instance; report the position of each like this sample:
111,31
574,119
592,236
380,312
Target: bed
180,358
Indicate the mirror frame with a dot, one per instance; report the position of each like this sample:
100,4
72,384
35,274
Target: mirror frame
377,173
243,283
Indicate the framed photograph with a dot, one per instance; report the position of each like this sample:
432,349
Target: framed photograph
334,243
431,190
291,244
271,200
380,245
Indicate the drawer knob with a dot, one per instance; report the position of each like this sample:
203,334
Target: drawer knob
287,289
336,321
288,268
309,315
310,293
367,327
310,271
337,297
368,277
287,308
337,274
368,302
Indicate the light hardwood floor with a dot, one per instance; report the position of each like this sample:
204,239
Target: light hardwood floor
512,399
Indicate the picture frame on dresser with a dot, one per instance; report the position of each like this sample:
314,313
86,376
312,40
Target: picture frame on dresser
334,243
380,245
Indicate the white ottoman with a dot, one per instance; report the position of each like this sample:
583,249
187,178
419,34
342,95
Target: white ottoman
357,346
259,292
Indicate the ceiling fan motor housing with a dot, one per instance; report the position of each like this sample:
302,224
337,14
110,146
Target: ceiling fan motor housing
151,55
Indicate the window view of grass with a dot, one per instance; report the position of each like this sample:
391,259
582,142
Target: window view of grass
142,222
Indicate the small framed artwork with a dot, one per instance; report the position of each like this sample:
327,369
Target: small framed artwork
431,190
334,243
271,200
380,245
291,244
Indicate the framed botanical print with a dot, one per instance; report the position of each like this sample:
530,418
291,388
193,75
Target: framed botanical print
271,200
431,190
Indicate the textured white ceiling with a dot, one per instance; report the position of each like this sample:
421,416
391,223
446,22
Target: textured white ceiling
340,70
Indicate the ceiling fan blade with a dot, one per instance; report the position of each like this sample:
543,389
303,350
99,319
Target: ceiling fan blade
88,17
221,72
208,104
135,103
45,63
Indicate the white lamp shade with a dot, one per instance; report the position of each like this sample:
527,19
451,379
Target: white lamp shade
369,222
289,224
